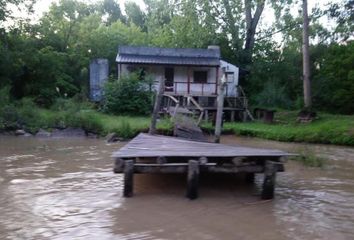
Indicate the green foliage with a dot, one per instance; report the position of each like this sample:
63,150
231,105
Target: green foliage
9,117
328,129
272,95
4,96
128,95
334,79
49,59
308,158
124,130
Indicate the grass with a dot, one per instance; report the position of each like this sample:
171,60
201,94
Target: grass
327,129
309,160
102,124
67,113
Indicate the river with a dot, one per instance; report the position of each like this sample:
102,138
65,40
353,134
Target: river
64,188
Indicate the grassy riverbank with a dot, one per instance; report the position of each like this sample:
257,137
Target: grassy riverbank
328,129
31,118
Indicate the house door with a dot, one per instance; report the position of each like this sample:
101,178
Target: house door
169,75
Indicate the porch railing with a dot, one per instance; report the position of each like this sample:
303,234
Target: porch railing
198,88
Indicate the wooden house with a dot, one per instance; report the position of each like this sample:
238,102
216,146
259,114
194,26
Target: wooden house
189,73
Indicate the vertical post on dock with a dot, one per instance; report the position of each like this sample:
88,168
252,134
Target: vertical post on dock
193,179
157,106
219,111
118,165
269,180
250,178
128,178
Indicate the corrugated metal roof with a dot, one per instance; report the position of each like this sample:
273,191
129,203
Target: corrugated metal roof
168,56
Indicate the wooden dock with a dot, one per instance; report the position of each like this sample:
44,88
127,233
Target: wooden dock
161,154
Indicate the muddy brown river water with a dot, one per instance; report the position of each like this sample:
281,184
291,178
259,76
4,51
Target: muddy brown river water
65,189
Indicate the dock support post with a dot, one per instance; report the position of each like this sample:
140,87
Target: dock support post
193,179
157,106
118,165
219,111
128,178
250,178
206,115
269,180
232,117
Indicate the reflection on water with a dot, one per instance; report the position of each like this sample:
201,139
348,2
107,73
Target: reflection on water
65,189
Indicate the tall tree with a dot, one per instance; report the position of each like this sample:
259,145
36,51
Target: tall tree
306,56
238,20
112,11
5,12
135,14
251,26
343,14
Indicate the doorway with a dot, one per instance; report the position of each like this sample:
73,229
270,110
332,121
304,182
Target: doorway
169,75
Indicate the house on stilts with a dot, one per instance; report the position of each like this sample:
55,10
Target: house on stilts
192,78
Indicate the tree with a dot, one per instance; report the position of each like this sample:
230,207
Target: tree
135,15
111,9
6,13
343,14
306,57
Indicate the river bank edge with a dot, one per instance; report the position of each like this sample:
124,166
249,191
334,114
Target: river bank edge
325,129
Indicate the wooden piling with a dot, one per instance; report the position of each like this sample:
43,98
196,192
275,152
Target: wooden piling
118,165
250,177
128,178
219,112
269,180
193,179
158,100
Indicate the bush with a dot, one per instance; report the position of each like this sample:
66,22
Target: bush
89,121
74,104
128,95
28,115
125,130
4,96
272,96
9,117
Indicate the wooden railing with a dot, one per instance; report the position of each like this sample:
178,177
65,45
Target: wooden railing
185,87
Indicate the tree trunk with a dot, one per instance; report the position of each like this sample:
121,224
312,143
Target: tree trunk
306,57
251,26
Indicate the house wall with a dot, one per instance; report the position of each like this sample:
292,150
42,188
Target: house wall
180,77
232,78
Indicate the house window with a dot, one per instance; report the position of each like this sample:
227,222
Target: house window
200,76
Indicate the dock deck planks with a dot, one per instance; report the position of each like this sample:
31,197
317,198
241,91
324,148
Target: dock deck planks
145,145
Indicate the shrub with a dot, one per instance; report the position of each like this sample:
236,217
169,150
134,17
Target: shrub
4,96
9,117
125,130
273,95
128,95
28,116
74,104
90,122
